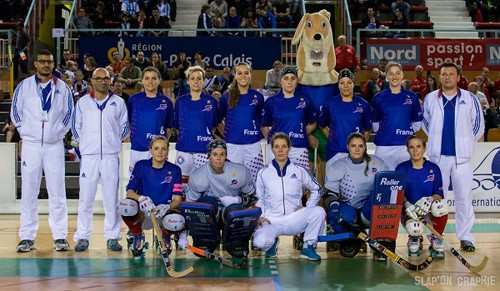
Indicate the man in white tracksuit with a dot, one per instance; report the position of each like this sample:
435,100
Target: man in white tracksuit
453,120
99,125
279,189
41,111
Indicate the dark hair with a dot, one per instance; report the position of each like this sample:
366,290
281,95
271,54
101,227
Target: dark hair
366,156
281,135
234,91
43,52
412,137
449,65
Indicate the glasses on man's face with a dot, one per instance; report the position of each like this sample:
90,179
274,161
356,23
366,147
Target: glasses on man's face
99,79
48,62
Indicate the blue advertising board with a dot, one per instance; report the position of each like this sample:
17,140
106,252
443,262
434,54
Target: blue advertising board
218,52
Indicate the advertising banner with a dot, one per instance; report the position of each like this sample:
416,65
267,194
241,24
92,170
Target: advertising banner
218,52
431,53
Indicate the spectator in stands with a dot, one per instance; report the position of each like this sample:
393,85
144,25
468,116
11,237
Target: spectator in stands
218,8
157,63
89,65
382,63
273,76
70,70
486,85
224,80
126,24
141,61
474,89
463,83
399,21
67,56
403,6
130,7
140,23
117,89
82,21
131,75
345,55
156,21
218,23
370,19
419,84
99,17
265,14
204,22
80,85
163,9
283,14
20,60
432,84
249,21
116,62
199,60
173,10
233,21
180,65
492,117
373,85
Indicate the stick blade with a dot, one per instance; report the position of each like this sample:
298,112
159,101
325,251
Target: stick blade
174,274
477,269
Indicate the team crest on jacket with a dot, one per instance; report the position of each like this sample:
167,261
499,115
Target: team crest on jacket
374,170
234,182
358,109
168,179
208,106
302,104
112,103
254,101
162,106
408,100
293,176
430,178
180,160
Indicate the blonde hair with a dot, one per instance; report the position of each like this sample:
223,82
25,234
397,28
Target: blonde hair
193,69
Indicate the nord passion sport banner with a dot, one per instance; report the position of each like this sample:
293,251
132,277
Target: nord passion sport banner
431,53
218,52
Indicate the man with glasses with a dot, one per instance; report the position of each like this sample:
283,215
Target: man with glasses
41,111
99,125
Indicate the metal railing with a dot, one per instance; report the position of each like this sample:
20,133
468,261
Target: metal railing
382,33
6,60
347,23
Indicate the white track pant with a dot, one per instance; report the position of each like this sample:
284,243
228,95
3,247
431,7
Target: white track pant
250,155
461,179
136,156
298,156
392,155
93,170
36,157
311,221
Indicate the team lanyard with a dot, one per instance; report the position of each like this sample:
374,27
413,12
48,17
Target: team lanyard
46,95
103,105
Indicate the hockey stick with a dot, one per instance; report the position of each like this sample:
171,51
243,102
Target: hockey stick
214,257
394,257
164,251
315,163
474,269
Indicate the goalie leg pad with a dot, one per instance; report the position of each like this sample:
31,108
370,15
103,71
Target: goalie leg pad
340,213
439,208
173,222
239,225
128,207
201,221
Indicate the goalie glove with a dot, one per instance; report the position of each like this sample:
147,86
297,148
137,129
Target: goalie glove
161,210
423,206
146,204
410,210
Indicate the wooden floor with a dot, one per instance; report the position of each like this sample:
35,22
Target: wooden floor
98,269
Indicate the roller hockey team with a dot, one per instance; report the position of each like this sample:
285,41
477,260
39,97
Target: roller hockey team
228,190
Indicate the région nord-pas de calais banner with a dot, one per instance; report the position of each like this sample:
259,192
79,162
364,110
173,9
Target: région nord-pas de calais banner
431,53
218,52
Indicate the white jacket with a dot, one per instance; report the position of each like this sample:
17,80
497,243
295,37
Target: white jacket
280,192
27,114
100,132
469,124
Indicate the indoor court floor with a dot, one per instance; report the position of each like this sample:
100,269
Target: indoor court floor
98,269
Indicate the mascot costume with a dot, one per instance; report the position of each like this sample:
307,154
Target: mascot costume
316,71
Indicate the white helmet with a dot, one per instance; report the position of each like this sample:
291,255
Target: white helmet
439,208
414,227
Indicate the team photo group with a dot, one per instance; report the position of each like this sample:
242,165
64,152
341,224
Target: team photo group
245,170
